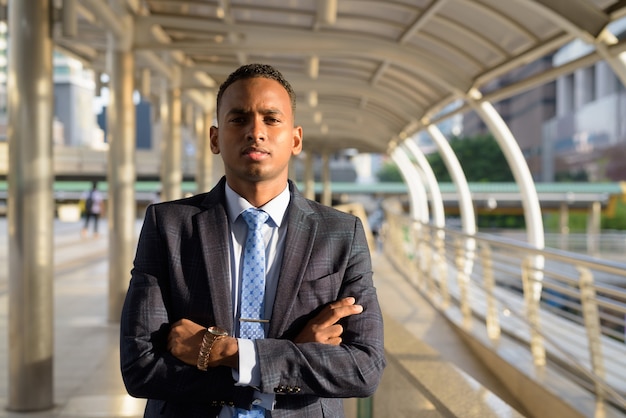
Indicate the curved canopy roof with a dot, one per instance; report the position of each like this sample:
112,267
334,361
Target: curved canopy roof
366,72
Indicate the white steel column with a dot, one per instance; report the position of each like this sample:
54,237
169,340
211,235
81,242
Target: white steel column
532,214
517,163
466,207
30,207
439,219
412,178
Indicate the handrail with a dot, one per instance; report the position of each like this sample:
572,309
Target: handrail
580,318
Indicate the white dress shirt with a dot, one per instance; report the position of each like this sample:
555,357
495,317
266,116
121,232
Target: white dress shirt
274,233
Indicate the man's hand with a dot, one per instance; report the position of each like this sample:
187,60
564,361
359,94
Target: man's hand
323,328
184,342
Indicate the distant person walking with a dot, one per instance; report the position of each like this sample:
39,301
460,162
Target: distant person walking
93,208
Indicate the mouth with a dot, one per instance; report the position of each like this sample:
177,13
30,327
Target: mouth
255,153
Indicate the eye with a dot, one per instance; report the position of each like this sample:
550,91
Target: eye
237,120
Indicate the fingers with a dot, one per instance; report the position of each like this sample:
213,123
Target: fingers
324,327
337,310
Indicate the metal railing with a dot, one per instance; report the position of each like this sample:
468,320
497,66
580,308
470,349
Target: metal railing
566,309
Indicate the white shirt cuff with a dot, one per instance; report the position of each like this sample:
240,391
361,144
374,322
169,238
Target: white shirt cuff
249,373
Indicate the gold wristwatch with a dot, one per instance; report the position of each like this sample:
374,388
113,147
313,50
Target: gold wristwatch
211,335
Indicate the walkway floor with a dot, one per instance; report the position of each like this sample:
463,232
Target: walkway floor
87,381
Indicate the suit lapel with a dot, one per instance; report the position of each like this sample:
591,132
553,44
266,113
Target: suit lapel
214,240
301,230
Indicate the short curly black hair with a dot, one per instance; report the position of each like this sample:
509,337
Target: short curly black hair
252,71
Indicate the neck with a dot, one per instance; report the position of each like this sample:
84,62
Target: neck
258,194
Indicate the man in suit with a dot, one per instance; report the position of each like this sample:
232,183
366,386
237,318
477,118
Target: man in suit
181,323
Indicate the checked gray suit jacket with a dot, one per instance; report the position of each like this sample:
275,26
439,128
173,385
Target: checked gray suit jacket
181,270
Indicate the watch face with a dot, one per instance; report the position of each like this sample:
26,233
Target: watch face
217,331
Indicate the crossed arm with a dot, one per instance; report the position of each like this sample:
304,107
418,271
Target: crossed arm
185,336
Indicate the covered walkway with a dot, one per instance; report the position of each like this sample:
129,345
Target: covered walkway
369,75
428,365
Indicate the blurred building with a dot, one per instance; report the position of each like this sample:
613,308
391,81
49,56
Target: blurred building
571,129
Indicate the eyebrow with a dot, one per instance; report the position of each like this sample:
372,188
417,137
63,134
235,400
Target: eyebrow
242,111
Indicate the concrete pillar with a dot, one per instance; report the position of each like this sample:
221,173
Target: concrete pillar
593,227
204,171
30,206
564,226
172,174
121,126
309,176
326,181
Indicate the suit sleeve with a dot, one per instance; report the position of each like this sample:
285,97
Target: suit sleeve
352,369
148,369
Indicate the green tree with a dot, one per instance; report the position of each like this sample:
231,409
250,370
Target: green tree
481,158
389,173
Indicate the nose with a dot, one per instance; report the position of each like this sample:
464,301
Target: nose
257,130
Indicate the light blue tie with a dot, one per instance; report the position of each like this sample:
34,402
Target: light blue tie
253,287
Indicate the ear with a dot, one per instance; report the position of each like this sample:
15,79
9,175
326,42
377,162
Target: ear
296,147
213,133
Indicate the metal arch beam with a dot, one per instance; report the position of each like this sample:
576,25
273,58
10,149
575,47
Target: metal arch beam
439,219
334,85
518,165
348,130
337,140
256,38
412,178
342,114
579,17
121,26
466,207
616,61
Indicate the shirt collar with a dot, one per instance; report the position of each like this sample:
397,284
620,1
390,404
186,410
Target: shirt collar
275,208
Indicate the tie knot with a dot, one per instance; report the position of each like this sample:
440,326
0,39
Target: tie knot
254,218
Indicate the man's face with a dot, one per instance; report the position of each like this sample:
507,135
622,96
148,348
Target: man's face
256,134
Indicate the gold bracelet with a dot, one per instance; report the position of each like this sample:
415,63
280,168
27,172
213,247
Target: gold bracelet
211,335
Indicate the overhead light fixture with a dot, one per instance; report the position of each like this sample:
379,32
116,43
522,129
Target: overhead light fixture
327,12
312,98
204,79
70,18
313,67
146,82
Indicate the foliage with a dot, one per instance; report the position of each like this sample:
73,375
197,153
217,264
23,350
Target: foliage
481,158
577,221
566,176
389,173
500,221
618,220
